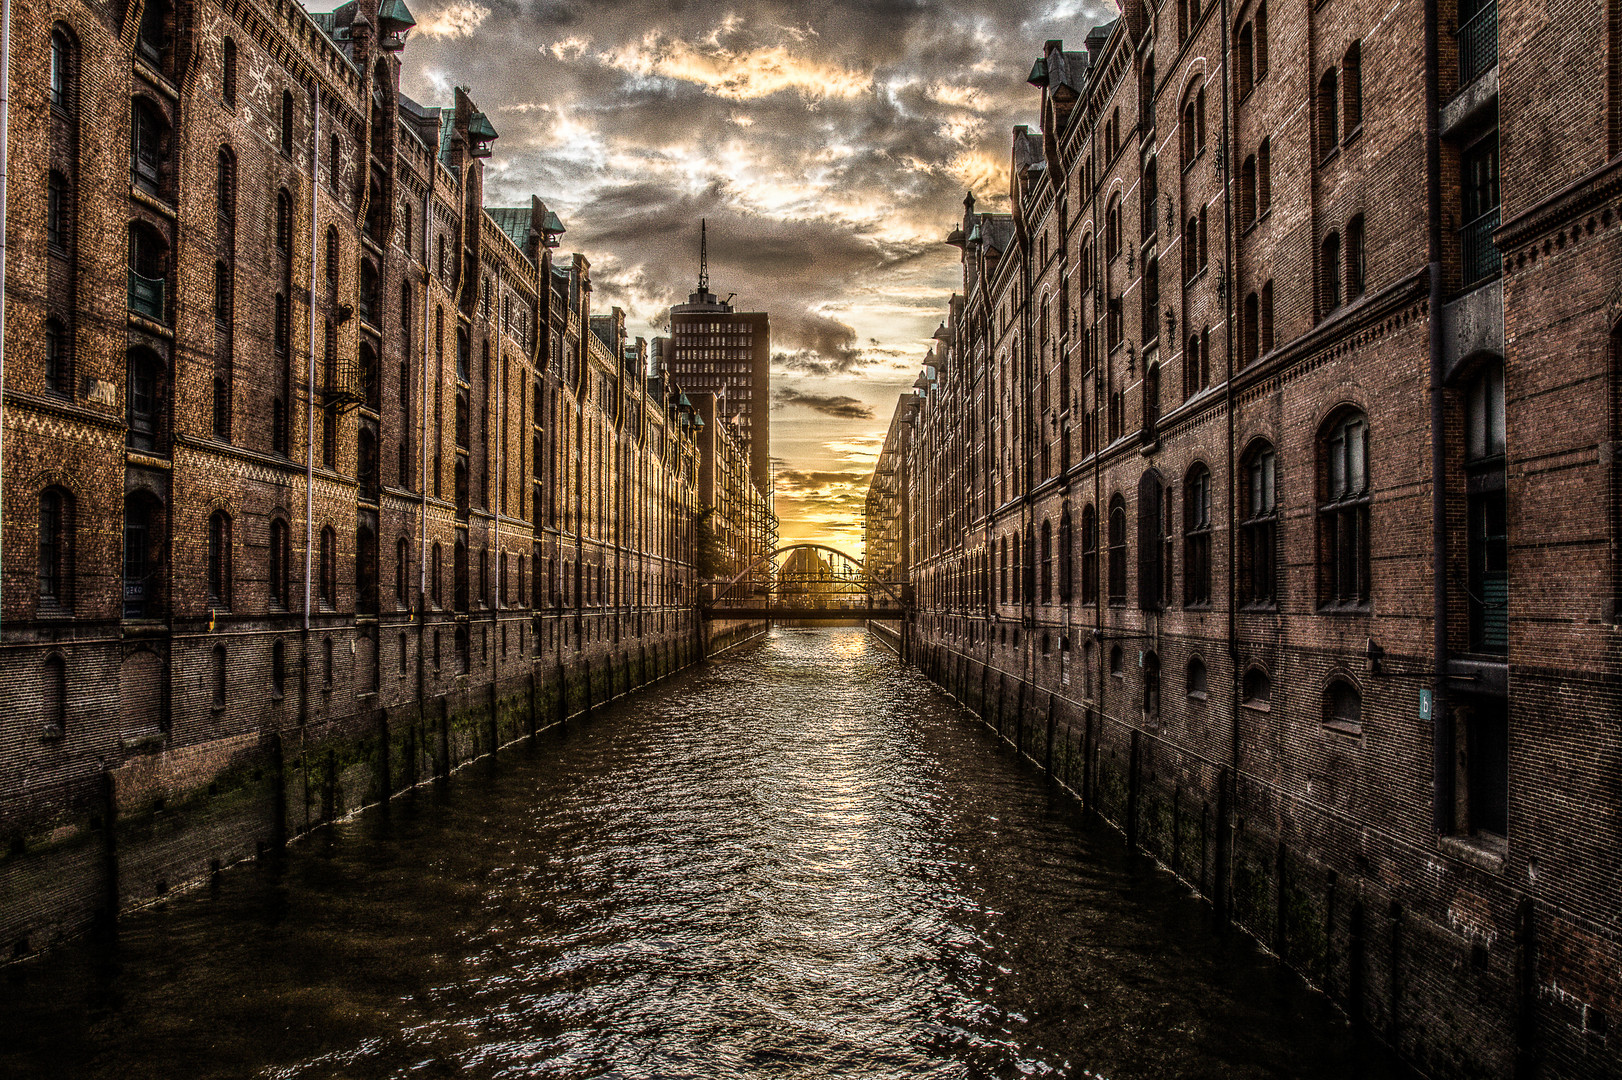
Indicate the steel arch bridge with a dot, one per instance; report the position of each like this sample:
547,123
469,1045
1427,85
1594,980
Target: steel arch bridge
805,582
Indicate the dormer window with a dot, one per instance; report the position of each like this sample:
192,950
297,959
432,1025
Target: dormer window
480,135
394,23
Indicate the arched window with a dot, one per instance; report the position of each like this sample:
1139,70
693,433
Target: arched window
148,271
1067,540
371,376
58,362
1258,526
1267,318
225,192
219,677
463,355
328,581
1264,177
287,122
1151,685
64,72
1150,199
1196,678
1356,268
1328,114
150,157
1190,131
402,560
219,559
1089,555
144,400
1151,401
1257,689
1003,562
58,212
53,687
56,535
280,558
1329,274
152,37
366,570
284,221
228,73
1112,228
366,463
1250,330
1117,551
370,294
1197,537
222,293
143,545
1248,211
1484,446
1153,538
1244,53
1343,707
460,570
1261,41
1047,562
434,575
1343,511
1116,661
331,264
1351,89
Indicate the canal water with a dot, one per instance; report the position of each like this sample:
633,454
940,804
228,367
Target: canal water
800,860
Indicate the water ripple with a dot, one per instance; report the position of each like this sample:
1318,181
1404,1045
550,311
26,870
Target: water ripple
801,861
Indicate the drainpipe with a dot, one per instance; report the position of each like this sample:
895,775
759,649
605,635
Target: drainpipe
501,479
422,407
1225,835
309,408
1441,731
5,118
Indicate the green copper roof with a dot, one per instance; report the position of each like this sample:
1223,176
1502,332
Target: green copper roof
1039,72
479,127
395,11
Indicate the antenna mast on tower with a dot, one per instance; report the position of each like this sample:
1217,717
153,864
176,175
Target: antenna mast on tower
703,257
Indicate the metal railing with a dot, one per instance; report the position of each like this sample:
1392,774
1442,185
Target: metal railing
341,381
1479,256
146,296
1478,43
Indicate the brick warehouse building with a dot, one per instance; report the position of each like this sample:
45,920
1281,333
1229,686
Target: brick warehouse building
1286,425
320,475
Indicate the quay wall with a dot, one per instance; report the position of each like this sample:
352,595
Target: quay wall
167,820
1433,958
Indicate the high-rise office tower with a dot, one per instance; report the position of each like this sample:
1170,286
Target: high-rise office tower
715,349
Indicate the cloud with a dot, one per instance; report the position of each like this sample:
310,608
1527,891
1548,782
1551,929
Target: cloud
457,20
737,74
836,405
828,144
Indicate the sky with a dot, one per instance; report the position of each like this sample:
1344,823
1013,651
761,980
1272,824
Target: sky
828,144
